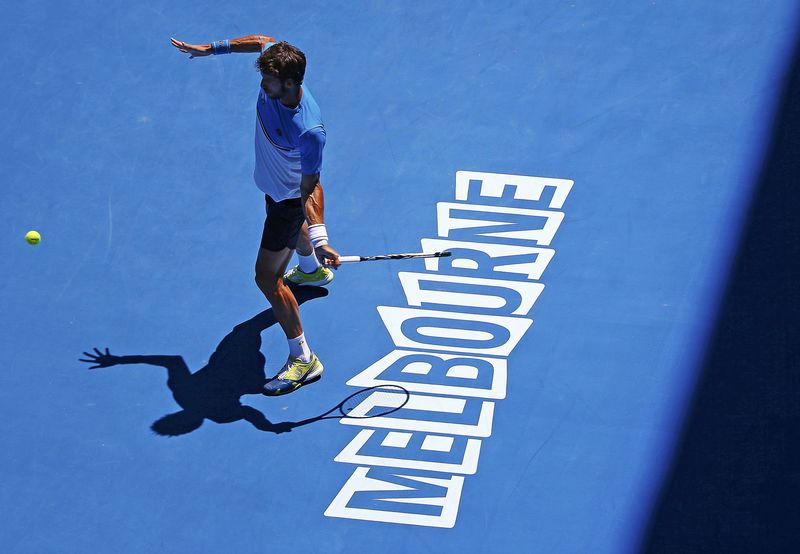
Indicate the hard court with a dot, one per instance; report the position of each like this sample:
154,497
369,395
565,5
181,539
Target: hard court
606,364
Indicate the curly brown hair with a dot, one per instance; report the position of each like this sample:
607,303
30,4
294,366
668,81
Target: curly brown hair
284,61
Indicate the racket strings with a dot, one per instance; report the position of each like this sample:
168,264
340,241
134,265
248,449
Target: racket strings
390,398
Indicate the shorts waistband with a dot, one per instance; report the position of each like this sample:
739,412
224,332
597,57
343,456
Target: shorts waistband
289,202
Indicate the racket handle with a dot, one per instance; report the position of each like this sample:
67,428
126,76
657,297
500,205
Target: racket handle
345,259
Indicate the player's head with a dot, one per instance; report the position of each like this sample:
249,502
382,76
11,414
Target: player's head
282,68
179,423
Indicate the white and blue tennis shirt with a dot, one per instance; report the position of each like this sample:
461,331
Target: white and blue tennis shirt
289,143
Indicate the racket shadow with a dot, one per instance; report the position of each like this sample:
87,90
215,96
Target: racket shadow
367,403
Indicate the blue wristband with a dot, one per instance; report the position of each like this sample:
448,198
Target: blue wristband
221,47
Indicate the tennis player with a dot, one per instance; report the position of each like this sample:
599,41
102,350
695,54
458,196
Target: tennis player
290,137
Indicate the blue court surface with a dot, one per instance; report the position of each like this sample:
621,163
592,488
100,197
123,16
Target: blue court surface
590,165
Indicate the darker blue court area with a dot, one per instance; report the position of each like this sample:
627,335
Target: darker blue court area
606,363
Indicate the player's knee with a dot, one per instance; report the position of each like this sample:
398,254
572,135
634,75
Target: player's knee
268,283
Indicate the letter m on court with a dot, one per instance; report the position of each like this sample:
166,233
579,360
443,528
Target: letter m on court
398,496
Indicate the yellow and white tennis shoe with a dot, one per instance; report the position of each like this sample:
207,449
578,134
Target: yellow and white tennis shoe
295,374
321,277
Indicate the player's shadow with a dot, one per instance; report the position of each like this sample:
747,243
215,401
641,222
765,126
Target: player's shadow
214,392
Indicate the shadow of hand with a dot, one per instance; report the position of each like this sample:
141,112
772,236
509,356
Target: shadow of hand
260,422
101,359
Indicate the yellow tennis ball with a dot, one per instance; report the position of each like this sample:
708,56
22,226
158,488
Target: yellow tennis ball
33,237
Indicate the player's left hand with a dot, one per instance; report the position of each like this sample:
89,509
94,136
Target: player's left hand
327,256
102,359
194,50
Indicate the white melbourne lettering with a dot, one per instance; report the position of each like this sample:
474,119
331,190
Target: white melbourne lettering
439,373
432,502
462,320
404,326
470,292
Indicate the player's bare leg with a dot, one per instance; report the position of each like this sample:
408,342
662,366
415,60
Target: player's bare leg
299,369
304,247
270,267
309,271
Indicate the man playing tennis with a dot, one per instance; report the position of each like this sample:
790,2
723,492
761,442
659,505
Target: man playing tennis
290,137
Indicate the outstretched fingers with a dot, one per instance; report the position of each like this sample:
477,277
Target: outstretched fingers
96,358
183,47
194,50
180,45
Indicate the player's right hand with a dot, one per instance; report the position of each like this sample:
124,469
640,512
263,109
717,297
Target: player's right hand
194,50
327,256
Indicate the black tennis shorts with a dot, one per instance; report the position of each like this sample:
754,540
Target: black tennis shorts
283,223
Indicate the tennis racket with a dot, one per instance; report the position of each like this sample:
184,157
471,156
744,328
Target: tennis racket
346,259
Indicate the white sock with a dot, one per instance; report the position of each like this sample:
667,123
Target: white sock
298,348
308,264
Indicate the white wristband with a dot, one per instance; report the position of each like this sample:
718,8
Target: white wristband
318,235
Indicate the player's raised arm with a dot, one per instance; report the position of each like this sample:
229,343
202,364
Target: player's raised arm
249,44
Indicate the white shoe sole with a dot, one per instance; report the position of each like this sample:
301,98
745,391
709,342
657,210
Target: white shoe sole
315,374
320,283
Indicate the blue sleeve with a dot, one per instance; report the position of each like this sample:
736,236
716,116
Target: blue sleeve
311,144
